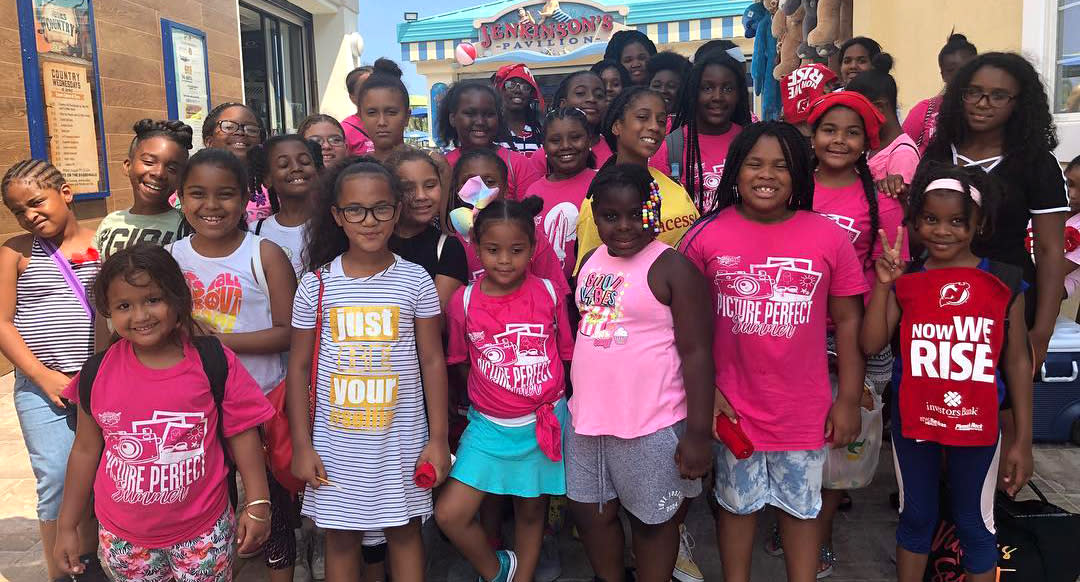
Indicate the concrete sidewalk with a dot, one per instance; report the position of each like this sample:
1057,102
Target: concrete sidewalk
863,536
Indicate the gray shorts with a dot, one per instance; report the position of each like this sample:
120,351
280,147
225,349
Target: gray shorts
640,472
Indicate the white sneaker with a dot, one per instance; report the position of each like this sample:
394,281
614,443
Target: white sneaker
686,570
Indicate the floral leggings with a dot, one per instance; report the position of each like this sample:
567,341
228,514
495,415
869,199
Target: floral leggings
207,558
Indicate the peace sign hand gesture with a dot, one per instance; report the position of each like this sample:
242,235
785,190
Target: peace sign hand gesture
890,265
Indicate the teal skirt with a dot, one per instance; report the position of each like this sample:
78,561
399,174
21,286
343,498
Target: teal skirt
506,460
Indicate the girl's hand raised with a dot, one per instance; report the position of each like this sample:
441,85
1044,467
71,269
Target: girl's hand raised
890,265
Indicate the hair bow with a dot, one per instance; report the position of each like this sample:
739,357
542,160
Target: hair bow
475,193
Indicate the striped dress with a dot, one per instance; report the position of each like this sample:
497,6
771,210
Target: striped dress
48,314
370,421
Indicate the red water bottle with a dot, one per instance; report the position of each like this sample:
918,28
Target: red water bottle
732,435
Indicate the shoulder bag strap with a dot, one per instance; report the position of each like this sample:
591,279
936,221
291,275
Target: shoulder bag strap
257,265
320,273
69,275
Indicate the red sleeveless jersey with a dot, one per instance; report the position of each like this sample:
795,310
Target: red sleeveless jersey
952,329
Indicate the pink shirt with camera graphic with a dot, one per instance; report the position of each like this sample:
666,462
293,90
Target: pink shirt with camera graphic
770,285
514,344
161,479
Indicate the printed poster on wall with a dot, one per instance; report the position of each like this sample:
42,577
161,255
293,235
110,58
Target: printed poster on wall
189,64
69,111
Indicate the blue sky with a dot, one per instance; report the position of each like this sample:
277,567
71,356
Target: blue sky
379,28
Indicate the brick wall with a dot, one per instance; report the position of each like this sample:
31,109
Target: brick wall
132,82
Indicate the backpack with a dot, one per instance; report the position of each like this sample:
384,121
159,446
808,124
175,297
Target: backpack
214,363
547,285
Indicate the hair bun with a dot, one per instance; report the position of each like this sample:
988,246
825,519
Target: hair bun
144,126
882,62
957,38
532,204
387,66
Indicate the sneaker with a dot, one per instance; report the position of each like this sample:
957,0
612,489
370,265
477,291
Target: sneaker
825,567
507,566
773,545
318,554
549,568
686,570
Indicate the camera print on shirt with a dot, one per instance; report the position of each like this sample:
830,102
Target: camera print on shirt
846,223
218,304
364,387
600,299
770,299
515,359
710,181
156,460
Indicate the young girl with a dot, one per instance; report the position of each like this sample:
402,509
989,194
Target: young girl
154,458
666,71
995,116
634,129
642,375
329,134
378,365
470,118
522,99
47,332
492,171
615,77
236,128
563,190
631,49
777,270
921,121
242,288
356,138
510,330
582,90
155,161
289,165
855,57
416,236
384,108
715,107
946,404
893,163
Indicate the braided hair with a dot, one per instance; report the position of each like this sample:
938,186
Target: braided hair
177,132
447,133
521,212
693,178
259,163
573,114
41,173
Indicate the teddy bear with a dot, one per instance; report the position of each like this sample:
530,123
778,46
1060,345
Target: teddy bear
830,16
787,27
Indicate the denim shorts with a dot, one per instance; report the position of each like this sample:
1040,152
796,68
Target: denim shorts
789,480
48,438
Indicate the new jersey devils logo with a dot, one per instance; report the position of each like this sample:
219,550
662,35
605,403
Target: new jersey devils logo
956,293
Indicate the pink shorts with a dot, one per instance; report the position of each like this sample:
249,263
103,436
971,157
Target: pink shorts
207,558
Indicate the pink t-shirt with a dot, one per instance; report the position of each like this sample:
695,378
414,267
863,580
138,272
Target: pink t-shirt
1072,277
714,149
920,125
601,151
258,206
522,172
770,285
358,141
627,373
848,208
515,355
558,220
161,479
544,263
900,157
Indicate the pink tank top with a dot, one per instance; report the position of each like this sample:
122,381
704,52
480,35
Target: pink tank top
626,370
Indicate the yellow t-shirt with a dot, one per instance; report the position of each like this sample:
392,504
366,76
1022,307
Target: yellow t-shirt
677,214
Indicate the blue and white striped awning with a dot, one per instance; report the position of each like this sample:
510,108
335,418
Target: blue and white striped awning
660,32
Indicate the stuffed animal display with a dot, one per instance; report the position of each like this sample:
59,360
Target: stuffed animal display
808,31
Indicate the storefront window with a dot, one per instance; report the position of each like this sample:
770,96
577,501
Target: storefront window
1067,62
277,70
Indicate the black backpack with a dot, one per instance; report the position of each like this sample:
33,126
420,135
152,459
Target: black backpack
215,366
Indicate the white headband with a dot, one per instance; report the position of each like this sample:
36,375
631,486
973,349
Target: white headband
954,185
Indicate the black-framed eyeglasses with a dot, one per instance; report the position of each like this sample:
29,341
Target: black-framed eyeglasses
233,128
355,213
972,96
334,140
517,84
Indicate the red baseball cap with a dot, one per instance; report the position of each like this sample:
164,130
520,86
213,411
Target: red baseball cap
518,71
800,88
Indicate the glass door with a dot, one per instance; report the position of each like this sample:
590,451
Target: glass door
277,70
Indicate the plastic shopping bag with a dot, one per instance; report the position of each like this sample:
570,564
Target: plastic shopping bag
853,466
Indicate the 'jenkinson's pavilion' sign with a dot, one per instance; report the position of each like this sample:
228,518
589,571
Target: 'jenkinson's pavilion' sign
551,28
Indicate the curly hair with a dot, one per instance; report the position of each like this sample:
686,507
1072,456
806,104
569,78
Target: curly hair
259,163
989,204
158,264
1029,133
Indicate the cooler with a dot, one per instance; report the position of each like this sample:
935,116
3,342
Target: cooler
1057,387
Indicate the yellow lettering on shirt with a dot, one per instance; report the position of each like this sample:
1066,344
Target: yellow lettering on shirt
362,403
365,323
